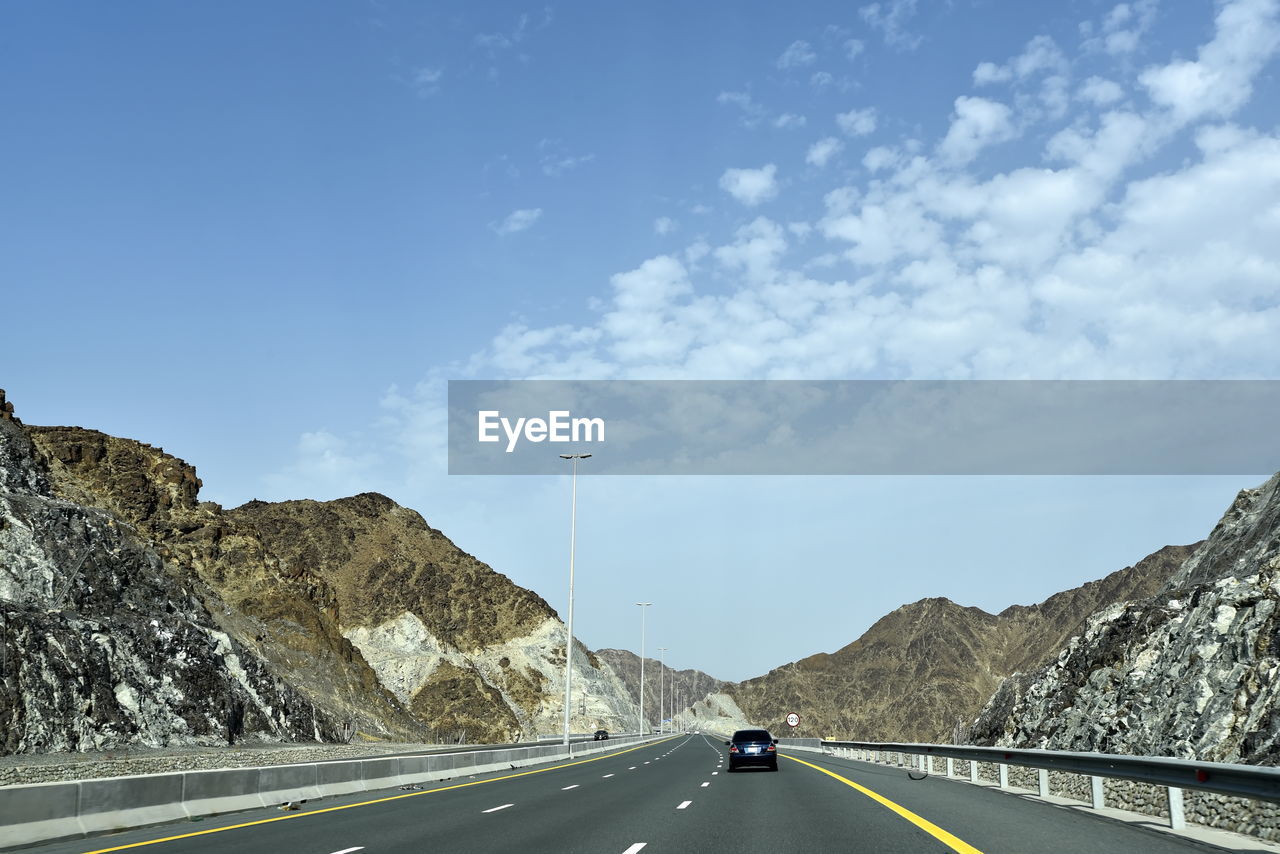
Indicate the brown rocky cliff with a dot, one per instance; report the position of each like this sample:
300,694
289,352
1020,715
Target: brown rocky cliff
931,664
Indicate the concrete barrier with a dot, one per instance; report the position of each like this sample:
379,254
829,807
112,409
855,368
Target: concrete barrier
379,773
278,784
117,803
40,811
212,792
338,778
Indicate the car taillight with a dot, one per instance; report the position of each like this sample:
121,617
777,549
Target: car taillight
733,748
771,749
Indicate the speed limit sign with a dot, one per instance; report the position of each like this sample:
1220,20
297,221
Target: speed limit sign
793,720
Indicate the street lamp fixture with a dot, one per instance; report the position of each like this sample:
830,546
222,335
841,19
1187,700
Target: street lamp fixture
644,730
568,644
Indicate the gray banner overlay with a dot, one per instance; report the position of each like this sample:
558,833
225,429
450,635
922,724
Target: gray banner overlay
870,427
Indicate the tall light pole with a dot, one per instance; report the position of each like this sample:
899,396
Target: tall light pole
568,644
662,686
643,729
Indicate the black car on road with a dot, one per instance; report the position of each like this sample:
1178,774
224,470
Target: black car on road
753,747
602,735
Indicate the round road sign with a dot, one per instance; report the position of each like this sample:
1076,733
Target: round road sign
793,720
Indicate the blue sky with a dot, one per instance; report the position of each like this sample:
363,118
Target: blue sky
264,235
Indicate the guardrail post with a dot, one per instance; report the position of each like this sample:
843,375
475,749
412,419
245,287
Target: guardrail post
1043,781
973,771
951,767
1004,776
1095,789
1177,816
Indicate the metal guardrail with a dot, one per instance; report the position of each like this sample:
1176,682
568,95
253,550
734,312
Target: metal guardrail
1246,781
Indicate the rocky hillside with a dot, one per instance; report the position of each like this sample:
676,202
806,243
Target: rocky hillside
373,617
689,685
925,669
103,644
1190,672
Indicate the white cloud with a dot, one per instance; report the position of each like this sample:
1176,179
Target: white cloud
1100,91
790,120
1123,27
890,18
1219,81
976,124
664,225
1076,262
518,220
858,122
853,48
752,112
426,81
821,152
797,54
751,186
821,79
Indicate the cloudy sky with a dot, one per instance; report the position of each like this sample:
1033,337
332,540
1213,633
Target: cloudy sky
264,236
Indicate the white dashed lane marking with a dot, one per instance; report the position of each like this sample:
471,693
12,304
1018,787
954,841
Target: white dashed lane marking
495,809
634,848
632,768
349,850
708,783
606,777
684,804
567,788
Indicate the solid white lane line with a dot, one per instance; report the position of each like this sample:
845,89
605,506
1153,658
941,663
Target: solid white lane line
606,776
567,788
708,783
634,848
684,804
495,809
349,850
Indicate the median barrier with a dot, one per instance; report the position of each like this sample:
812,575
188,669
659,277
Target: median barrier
338,778
379,773
212,792
116,803
278,784
39,812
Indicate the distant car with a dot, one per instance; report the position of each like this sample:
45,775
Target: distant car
753,747
602,735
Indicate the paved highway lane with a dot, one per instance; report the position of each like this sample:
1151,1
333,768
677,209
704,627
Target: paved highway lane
670,796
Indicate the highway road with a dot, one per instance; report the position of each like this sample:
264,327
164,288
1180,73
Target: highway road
669,796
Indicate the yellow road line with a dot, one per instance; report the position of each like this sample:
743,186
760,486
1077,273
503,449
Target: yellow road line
950,840
375,801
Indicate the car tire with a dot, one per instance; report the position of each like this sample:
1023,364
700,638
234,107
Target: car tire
773,767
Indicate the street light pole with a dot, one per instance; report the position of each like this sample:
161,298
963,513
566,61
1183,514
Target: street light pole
644,730
662,687
568,643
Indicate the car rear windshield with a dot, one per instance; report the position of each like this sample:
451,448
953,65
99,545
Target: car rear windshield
752,735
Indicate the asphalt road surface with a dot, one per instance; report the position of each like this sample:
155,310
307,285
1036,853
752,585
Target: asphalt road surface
668,796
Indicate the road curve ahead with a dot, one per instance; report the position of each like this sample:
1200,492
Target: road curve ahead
668,796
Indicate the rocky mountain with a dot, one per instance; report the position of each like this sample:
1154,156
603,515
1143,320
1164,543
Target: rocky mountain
103,644
356,606
688,686
1191,671
926,668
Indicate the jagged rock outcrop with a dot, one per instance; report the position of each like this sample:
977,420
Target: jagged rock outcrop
373,616
102,644
689,686
1190,672
924,670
